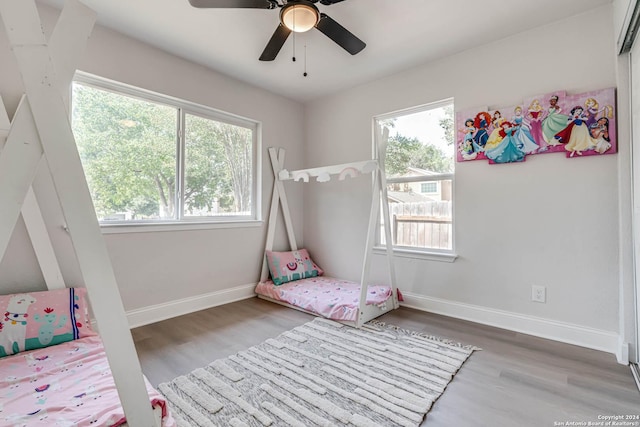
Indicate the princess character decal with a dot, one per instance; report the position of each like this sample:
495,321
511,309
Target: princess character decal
554,122
507,150
535,115
522,134
496,135
600,133
481,123
576,135
466,148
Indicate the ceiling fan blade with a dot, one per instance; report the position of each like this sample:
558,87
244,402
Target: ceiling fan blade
241,4
329,2
275,43
339,34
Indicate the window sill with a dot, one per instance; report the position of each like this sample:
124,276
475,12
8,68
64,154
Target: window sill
417,254
155,227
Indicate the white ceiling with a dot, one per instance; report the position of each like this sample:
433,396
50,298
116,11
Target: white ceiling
399,34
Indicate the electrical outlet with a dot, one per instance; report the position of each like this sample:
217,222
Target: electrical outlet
539,294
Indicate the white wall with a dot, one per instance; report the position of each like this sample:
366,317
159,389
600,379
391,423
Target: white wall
161,267
550,221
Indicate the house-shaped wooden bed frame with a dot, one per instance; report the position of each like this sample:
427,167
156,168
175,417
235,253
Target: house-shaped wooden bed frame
378,199
40,138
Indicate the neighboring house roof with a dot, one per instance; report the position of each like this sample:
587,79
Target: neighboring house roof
407,197
415,172
418,171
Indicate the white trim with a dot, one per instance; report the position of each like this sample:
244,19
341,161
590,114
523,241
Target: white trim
422,178
156,313
121,228
205,111
622,354
634,155
629,26
418,254
416,109
551,329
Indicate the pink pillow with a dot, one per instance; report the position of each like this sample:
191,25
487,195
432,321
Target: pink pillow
40,319
289,266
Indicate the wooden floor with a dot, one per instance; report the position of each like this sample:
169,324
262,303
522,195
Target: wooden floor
516,380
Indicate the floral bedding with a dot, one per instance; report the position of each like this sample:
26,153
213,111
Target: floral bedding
68,384
326,296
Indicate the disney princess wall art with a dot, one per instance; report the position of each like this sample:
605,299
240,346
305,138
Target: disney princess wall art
577,125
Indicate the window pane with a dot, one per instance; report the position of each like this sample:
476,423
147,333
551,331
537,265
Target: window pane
421,221
128,151
420,145
429,187
218,168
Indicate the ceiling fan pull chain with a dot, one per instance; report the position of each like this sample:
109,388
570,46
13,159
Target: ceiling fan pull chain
293,58
305,61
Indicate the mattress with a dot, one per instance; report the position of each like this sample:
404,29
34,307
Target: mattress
68,384
325,296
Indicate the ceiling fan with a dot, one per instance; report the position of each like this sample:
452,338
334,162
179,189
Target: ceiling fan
295,15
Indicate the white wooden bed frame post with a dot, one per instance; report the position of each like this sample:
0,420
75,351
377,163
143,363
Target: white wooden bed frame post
278,197
34,223
378,196
41,130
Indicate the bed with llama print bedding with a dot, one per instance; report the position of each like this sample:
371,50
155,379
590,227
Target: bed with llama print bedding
53,367
298,282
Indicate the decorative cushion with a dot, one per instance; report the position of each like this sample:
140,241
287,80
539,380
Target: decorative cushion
289,266
40,319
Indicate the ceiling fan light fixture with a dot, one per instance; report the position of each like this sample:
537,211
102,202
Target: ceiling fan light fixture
299,17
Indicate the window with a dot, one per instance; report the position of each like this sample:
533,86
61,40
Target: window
419,170
429,187
150,158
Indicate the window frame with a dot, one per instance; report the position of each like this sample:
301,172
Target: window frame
433,254
183,108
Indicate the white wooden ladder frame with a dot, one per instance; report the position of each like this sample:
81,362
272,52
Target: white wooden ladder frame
40,135
378,197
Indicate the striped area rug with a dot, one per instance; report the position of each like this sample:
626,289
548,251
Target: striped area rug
321,374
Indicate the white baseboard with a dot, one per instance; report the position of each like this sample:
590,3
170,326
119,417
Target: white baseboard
559,331
551,329
623,352
155,313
